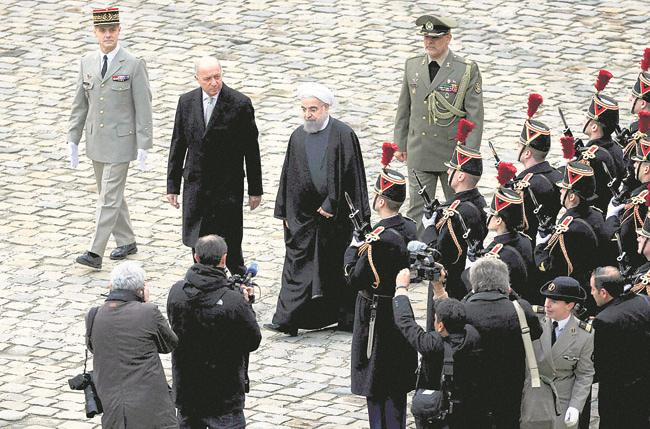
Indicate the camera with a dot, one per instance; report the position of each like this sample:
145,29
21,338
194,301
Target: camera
237,281
422,262
85,382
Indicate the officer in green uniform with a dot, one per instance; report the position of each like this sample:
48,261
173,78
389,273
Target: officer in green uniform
439,88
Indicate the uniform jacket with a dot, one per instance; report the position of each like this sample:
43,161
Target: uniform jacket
216,330
568,364
115,110
610,154
494,317
211,159
429,145
542,184
391,366
470,208
126,337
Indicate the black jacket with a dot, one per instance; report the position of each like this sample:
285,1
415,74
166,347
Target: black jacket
216,330
503,357
611,155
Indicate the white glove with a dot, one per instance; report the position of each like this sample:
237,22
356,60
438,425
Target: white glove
540,240
613,210
74,155
142,159
428,222
355,242
571,416
468,263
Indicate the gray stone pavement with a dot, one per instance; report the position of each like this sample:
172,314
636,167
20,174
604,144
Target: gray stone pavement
267,47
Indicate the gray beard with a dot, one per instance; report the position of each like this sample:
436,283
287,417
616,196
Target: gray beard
314,126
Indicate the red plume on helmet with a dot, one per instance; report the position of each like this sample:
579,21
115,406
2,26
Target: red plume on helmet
568,147
465,126
602,80
645,61
644,122
505,172
388,149
534,101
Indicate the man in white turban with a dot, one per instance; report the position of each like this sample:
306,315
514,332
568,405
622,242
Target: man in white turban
323,161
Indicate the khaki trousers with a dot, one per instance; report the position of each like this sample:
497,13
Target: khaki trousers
112,216
429,179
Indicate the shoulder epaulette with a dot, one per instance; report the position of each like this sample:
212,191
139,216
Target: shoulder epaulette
374,235
639,198
586,326
494,251
563,226
590,153
538,309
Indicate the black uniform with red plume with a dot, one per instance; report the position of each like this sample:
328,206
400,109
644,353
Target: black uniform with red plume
641,89
509,205
535,134
642,138
390,184
465,159
603,110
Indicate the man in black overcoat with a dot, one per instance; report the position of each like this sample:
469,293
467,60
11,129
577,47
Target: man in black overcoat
214,135
322,163
621,352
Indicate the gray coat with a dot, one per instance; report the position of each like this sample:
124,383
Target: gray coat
126,338
430,145
568,363
115,111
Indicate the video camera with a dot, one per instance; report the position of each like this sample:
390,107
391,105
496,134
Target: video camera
238,280
422,262
85,382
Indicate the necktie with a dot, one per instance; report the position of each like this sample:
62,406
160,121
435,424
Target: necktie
553,335
104,66
433,70
208,110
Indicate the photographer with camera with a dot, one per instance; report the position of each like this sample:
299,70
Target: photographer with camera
125,336
452,335
382,363
217,329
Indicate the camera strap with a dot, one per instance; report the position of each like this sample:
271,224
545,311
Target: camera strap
89,329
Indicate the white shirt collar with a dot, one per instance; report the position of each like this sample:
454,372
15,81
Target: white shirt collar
561,324
110,56
206,97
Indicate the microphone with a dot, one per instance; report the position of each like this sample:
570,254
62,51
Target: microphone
251,272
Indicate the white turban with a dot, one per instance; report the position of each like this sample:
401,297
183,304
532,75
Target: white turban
313,89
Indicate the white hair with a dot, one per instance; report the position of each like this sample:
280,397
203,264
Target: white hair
203,61
128,275
489,274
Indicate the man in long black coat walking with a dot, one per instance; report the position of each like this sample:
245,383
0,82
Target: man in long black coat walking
214,135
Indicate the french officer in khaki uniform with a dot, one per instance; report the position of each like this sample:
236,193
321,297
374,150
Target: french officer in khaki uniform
567,344
113,104
439,88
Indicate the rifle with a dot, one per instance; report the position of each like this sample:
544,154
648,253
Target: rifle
545,221
622,136
429,206
497,160
474,246
567,131
623,264
361,227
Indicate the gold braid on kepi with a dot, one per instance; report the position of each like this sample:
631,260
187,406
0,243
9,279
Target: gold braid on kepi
558,237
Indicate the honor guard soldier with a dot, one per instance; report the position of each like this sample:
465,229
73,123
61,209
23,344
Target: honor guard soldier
579,237
601,153
567,344
505,219
458,227
625,219
640,280
112,104
621,352
383,363
537,181
438,89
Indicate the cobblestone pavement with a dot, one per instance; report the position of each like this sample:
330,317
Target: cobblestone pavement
267,47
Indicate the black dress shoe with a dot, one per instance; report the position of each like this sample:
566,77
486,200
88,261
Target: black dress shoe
90,260
281,328
123,251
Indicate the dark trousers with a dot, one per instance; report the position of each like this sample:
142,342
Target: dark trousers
388,412
227,222
234,420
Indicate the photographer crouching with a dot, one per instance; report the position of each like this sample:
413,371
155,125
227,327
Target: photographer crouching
450,357
125,336
217,329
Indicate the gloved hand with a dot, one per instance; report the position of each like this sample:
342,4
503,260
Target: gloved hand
355,241
571,417
142,159
613,210
542,237
74,155
469,263
428,222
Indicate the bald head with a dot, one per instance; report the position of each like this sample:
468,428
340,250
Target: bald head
208,75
